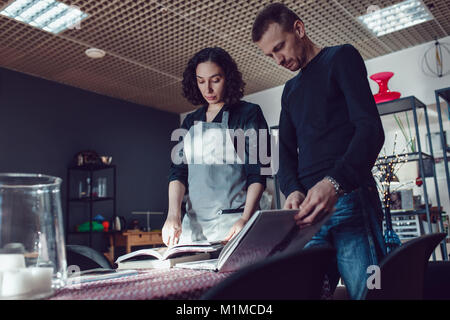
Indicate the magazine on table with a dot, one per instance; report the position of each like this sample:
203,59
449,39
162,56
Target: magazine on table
167,257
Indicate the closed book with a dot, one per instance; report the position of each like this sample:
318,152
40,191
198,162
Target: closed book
268,232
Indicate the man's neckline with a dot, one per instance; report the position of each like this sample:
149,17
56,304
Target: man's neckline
314,59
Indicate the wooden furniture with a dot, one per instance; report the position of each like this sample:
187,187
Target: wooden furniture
132,238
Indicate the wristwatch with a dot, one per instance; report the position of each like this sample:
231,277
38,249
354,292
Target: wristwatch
336,185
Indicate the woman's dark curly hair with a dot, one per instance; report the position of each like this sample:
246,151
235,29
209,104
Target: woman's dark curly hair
234,85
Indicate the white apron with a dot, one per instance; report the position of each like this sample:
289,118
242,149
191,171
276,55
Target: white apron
216,183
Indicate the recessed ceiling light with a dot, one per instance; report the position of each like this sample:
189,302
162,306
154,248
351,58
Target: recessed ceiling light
48,15
399,16
95,53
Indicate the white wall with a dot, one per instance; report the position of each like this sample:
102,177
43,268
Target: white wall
270,102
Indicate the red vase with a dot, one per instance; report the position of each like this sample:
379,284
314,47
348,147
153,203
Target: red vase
384,94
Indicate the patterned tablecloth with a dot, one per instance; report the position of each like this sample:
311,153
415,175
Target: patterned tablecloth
147,284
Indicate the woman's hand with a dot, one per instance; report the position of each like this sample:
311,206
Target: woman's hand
171,230
237,226
254,192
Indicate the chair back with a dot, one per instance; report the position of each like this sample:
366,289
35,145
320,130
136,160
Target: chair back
402,272
437,281
86,258
293,276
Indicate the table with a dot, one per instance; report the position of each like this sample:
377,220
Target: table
147,284
132,238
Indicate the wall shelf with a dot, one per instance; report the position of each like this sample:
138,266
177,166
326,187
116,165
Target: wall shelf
94,199
94,232
92,167
444,94
90,199
411,103
399,105
410,157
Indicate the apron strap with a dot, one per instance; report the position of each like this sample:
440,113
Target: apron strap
225,116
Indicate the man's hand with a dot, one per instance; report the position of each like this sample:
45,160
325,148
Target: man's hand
237,226
319,201
171,230
294,200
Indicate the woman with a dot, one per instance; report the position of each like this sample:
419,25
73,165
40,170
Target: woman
223,195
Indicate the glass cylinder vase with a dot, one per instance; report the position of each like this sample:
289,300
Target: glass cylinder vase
32,247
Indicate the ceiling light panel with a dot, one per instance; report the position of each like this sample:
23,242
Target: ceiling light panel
48,15
396,17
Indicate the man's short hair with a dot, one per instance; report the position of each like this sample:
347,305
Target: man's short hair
275,12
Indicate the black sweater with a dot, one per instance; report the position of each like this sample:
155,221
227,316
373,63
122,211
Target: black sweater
329,123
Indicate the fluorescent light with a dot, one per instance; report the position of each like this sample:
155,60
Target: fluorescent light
48,15
399,16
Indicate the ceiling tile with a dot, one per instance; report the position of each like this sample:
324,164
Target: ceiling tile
149,42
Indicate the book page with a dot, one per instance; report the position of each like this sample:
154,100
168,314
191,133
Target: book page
164,253
192,248
156,252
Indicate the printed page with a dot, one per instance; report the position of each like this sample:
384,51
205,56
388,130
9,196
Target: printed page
164,253
156,252
191,248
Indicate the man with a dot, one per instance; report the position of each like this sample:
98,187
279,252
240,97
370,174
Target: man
330,137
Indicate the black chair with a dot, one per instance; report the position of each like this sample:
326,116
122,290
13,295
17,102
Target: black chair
437,281
86,258
294,276
402,272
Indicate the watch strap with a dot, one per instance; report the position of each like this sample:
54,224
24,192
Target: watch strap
336,185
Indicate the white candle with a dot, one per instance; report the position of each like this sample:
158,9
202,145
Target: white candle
1,282
41,279
10,261
16,282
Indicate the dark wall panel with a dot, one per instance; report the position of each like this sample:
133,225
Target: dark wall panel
43,124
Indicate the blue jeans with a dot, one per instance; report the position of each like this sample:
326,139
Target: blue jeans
355,231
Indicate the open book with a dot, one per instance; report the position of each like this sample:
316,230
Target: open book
165,257
268,232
